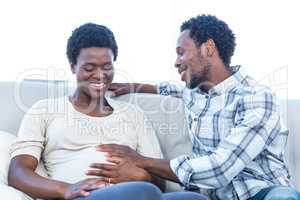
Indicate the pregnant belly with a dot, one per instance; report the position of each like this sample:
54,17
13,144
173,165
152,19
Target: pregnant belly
73,166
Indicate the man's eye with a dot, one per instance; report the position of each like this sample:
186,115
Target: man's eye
89,69
179,53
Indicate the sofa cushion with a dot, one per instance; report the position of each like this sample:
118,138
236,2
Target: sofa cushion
167,117
9,193
6,140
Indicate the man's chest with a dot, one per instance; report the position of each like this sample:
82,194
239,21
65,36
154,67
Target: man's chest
211,119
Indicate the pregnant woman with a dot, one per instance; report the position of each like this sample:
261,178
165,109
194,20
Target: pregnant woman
63,133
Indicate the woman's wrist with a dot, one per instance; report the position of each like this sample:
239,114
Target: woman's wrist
62,189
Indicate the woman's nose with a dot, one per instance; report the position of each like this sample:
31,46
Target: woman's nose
99,74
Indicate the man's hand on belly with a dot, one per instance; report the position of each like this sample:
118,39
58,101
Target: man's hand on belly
121,171
124,152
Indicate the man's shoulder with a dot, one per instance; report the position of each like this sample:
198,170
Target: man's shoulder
251,87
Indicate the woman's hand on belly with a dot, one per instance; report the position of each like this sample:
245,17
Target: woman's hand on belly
82,188
121,171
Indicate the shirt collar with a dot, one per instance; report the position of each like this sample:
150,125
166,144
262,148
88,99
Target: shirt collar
238,75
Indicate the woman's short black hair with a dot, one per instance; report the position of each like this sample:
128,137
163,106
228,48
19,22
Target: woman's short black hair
204,27
90,35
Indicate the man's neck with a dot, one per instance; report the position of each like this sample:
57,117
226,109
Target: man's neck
217,74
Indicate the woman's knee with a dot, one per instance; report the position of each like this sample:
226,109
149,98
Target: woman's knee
282,193
141,190
183,196
145,187
126,191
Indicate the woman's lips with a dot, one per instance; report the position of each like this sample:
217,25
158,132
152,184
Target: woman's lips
97,86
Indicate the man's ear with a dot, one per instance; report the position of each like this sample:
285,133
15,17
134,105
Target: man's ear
210,47
73,68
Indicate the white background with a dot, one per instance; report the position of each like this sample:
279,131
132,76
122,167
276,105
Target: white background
34,33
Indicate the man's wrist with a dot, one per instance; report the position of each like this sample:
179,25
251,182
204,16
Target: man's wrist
145,176
145,162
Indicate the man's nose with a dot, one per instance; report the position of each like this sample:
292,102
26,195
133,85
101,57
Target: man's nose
177,63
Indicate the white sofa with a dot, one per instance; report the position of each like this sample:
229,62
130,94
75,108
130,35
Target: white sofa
165,113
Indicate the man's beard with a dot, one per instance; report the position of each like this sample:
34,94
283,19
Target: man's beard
200,79
194,82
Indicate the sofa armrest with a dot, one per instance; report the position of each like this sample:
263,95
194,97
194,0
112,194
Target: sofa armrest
11,193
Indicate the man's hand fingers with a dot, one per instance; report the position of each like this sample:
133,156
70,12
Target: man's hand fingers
110,147
114,180
114,159
103,166
102,172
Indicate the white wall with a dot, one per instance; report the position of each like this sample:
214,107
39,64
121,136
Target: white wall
33,37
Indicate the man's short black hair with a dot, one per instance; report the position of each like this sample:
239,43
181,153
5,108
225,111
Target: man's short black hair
204,27
90,35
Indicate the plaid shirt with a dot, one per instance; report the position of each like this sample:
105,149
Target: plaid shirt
237,135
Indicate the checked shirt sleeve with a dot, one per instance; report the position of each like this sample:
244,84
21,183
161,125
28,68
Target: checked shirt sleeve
256,124
166,89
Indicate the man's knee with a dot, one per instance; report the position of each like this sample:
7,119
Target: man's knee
282,193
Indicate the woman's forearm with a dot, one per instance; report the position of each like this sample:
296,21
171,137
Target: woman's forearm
22,177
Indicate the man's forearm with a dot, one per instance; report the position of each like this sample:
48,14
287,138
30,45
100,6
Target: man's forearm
159,182
159,167
145,88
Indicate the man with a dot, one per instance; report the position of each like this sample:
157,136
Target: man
234,122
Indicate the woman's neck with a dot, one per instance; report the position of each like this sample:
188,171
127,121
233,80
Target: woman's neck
91,106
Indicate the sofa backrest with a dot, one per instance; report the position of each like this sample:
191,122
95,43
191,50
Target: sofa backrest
165,113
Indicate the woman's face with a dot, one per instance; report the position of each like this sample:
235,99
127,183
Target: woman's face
94,71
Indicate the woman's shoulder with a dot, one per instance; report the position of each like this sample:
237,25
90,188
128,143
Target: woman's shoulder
49,105
127,109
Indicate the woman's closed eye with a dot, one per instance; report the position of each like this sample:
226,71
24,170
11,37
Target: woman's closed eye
88,68
107,67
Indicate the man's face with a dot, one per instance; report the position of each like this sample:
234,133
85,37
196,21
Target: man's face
94,71
190,61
